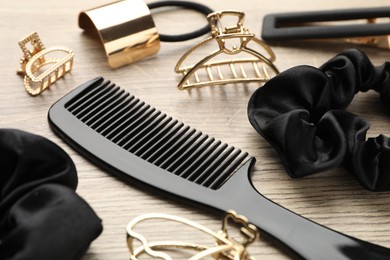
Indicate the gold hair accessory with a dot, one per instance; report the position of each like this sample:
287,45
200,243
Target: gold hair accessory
210,71
126,30
226,246
33,62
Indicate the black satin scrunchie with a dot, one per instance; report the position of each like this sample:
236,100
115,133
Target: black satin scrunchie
41,216
301,113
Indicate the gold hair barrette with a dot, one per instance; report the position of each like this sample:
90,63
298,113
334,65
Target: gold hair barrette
241,64
34,61
226,247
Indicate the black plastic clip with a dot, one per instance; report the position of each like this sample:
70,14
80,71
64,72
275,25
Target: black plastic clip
312,25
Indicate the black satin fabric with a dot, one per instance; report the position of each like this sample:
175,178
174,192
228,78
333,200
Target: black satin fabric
41,216
301,112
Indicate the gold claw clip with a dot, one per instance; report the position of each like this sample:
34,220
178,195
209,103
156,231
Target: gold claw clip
234,61
125,28
225,247
41,67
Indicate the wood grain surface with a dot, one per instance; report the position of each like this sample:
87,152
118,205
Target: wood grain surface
331,198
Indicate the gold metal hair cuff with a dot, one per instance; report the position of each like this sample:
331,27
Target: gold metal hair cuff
125,28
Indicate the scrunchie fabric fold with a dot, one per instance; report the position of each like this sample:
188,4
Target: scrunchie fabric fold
41,216
301,112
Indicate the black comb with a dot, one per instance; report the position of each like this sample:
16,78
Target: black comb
137,142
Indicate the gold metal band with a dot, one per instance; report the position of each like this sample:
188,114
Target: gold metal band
126,30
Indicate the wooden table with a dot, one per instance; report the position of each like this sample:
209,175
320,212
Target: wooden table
332,198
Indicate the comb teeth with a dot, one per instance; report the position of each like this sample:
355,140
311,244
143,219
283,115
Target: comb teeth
155,137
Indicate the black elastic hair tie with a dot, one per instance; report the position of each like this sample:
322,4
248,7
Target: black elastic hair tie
301,112
188,5
41,216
